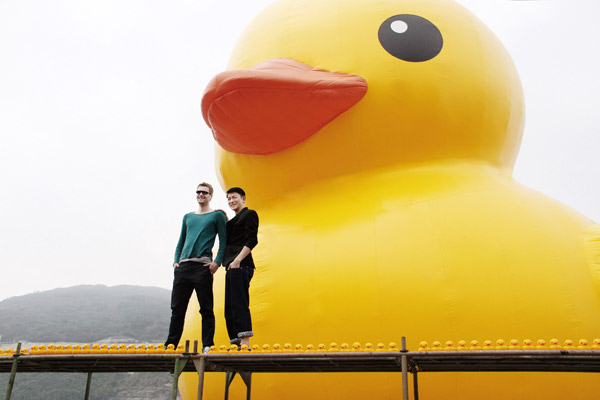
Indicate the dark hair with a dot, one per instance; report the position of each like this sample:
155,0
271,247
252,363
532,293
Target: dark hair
238,190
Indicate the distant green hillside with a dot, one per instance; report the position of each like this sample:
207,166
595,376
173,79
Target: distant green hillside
87,313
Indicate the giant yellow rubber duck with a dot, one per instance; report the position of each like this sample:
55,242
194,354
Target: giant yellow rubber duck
376,140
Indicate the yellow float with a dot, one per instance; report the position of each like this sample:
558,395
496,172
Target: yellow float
390,209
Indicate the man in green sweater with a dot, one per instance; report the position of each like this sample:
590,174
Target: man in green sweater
194,266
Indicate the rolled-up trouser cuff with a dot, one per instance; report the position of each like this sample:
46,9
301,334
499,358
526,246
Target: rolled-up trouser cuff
236,341
245,334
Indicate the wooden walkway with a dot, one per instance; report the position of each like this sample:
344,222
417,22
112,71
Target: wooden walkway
246,364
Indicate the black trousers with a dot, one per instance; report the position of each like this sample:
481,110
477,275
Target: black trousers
237,303
188,277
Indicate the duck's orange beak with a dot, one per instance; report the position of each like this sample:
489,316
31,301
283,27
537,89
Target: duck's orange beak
276,104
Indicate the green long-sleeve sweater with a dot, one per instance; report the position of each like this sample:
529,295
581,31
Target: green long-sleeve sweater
197,238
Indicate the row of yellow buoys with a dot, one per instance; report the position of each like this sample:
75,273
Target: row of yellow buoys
53,349
298,348
513,344
462,345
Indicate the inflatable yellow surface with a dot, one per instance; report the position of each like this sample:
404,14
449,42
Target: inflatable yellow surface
376,140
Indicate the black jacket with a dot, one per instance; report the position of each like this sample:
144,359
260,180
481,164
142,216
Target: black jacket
242,230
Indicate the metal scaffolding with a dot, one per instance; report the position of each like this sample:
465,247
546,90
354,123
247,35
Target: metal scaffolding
248,363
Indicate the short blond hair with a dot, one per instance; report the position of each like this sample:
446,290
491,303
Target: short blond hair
208,185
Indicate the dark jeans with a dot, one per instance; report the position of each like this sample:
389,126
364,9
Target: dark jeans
237,303
188,277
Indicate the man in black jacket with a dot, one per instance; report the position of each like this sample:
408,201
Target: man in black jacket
242,231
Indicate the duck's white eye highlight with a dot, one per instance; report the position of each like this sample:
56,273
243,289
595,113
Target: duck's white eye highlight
399,26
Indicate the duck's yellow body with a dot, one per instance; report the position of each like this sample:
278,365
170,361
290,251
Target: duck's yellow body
401,217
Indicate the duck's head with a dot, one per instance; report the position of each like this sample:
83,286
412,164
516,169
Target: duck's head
319,89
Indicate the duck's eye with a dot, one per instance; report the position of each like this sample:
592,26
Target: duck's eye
410,38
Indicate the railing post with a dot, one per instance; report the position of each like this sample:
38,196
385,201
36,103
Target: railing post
404,359
415,386
88,386
247,377
229,375
200,364
180,363
13,372
404,378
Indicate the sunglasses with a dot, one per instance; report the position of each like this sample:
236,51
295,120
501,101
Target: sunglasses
204,192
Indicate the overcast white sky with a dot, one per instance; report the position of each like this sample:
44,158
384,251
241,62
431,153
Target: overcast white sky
102,140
